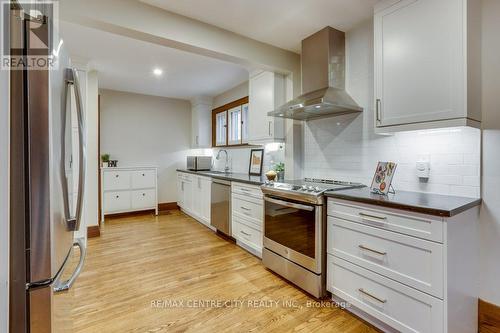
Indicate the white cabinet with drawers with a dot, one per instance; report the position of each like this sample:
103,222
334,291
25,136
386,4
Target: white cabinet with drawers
128,189
404,271
247,216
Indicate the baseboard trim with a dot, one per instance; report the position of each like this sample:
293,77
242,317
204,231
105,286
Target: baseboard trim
489,317
167,206
93,231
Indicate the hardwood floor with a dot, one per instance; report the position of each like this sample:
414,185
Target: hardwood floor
141,263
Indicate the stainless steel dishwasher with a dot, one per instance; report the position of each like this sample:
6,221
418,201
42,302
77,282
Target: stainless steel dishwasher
220,216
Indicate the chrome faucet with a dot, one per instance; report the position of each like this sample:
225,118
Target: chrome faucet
226,167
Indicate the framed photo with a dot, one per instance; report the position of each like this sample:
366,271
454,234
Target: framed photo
256,159
383,177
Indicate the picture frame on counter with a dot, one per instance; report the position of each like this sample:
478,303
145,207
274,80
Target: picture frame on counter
382,179
256,161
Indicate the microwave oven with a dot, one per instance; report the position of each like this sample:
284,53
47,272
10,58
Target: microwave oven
199,163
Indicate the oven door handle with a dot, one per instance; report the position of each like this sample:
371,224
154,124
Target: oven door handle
289,204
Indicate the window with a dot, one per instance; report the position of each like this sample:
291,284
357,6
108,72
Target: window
234,126
229,124
221,128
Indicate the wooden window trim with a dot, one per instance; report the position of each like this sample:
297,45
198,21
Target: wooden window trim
226,107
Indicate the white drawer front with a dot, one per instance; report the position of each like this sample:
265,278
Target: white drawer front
116,180
427,227
415,262
246,189
143,198
248,209
247,235
116,201
143,178
399,306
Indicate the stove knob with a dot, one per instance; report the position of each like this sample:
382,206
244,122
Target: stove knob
310,188
317,189
304,187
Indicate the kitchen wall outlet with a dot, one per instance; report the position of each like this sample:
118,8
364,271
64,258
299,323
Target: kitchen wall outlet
423,169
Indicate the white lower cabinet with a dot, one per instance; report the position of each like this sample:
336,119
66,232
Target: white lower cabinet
404,271
193,192
247,217
401,307
128,189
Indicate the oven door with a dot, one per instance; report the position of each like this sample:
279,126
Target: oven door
294,231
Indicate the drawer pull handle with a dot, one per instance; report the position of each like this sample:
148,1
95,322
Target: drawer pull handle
382,218
117,196
361,290
244,190
143,175
362,247
244,208
244,233
117,176
143,194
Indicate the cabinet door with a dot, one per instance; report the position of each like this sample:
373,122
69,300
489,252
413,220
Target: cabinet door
206,184
261,101
221,128
197,197
188,195
201,126
180,191
419,62
234,130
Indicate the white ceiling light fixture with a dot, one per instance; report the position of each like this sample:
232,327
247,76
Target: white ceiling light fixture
157,72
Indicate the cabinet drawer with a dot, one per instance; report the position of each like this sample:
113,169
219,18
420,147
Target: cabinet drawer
413,224
143,178
143,199
116,180
116,201
399,306
246,234
248,209
415,262
247,190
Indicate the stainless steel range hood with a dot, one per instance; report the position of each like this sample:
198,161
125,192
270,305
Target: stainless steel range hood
323,79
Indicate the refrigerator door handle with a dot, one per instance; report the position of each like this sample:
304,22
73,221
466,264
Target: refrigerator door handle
71,78
65,285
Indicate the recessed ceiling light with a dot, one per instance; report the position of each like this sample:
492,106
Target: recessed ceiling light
157,71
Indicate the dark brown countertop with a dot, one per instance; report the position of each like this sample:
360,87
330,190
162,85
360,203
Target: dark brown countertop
426,203
236,177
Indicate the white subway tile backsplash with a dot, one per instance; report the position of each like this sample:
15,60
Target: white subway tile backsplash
351,155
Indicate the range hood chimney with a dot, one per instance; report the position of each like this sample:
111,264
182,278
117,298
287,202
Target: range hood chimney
323,79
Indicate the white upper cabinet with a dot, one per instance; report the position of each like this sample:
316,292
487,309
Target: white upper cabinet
426,64
266,93
201,122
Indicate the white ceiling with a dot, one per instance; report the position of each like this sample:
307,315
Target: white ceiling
282,23
127,64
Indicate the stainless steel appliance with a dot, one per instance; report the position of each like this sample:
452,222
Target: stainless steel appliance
323,79
47,172
199,163
295,231
220,209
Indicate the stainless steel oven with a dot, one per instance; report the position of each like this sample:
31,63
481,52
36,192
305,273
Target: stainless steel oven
294,242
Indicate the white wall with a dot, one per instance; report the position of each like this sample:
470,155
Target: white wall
490,210
91,182
232,94
4,199
346,147
141,130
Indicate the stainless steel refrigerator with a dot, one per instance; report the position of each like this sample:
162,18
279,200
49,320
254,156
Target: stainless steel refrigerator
47,172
